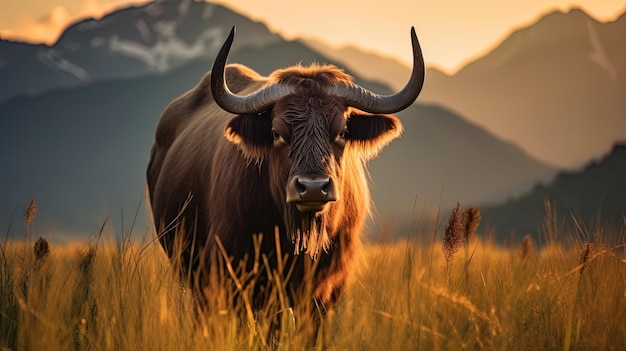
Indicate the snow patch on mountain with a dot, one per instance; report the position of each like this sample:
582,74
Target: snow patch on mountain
167,30
98,42
53,59
208,12
183,8
70,45
144,30
599,54
154,10
169,50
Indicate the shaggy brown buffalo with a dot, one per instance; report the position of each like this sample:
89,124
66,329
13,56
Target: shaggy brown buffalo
242,154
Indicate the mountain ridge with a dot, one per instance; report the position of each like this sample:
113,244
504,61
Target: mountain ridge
592,195
561,82
130,42
577,71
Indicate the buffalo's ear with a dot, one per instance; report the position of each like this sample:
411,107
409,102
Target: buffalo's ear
370,133
252,134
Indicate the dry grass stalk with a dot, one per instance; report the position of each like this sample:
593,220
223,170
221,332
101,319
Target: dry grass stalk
492,314
29,215
453,238
585,257
31,211
86,260
42,250
472,220
527,248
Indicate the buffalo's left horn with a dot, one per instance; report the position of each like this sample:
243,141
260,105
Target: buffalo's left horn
368,101
253,103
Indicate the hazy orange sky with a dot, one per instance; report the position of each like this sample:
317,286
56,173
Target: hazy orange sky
450,31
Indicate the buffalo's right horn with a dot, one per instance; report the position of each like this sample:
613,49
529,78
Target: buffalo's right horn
368,101
256,102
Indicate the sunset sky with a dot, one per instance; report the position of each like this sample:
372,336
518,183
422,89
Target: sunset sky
450,31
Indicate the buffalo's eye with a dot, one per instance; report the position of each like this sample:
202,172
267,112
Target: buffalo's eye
342,135
275,135
278,139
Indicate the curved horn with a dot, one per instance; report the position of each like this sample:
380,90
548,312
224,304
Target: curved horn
227,100
368,101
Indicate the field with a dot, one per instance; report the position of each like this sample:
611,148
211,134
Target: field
113,293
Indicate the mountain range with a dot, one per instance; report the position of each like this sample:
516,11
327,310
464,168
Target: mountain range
592,198
80,146
555,88
131,42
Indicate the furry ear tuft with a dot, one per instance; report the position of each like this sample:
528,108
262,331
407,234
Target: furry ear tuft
252,134
371,133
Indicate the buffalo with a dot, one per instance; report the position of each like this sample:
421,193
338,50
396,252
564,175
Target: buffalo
283,156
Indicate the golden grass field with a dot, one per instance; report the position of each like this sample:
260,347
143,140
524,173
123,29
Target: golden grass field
119,294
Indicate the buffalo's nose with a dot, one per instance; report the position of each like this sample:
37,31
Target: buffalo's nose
311,192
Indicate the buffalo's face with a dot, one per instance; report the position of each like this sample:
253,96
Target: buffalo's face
308,135
305,139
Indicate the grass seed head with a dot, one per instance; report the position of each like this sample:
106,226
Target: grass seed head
454,236
527,248
585,256
30,212
472,220
42,249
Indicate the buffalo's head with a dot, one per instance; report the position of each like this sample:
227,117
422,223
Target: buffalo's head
315,128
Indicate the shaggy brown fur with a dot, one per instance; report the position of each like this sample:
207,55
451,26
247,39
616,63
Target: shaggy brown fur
203,185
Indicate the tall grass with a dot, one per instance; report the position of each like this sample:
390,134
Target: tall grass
117,294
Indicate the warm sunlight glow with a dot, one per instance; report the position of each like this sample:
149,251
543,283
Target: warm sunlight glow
59,16
47,28
451,31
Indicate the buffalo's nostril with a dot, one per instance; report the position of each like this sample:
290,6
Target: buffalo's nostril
326,188
300,188
313,187
318,189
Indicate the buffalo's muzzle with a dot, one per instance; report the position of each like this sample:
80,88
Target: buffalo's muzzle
311,192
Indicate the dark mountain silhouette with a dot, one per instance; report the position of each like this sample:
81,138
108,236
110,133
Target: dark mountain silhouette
82,150
594,195
131,42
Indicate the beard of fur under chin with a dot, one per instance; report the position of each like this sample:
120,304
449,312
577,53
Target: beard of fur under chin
307,232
